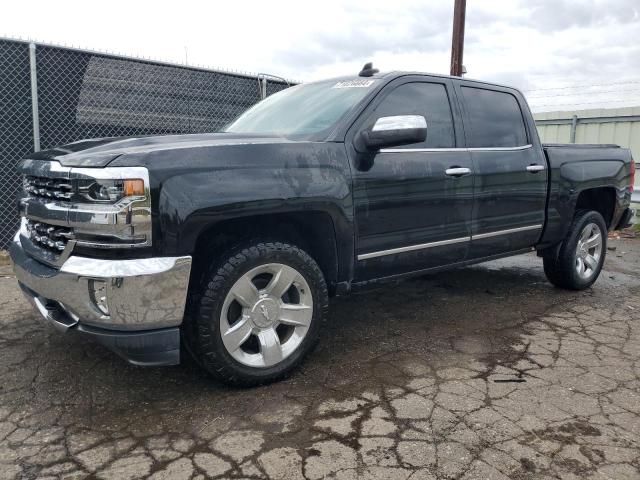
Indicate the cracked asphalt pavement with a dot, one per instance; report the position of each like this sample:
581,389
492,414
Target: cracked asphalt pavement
486,372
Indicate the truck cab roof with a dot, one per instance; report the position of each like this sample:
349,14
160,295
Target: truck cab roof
393,74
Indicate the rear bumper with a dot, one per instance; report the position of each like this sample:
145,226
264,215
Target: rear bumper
134,307
625,219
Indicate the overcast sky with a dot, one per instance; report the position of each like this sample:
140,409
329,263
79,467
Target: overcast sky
555,50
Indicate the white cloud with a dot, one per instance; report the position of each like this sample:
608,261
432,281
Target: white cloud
534,45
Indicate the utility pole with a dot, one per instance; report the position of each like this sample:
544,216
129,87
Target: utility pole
457,39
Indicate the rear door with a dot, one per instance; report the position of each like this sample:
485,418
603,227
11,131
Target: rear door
410,214
510,174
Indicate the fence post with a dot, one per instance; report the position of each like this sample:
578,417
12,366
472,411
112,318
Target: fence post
574,126
263,88
34,97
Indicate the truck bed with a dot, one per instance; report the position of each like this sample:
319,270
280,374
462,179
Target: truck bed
579,145
559,154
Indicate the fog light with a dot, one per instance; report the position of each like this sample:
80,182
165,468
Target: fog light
98,295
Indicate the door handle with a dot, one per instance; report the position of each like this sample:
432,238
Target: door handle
457,171
535,168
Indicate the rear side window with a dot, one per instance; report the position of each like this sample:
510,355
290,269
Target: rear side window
427,99
494,119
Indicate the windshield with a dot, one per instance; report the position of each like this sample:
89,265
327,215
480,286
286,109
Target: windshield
303,110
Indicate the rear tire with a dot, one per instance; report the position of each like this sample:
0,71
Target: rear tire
258,313
581,254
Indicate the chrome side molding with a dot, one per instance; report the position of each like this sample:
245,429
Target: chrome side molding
422,246
411,248
453,149
497,233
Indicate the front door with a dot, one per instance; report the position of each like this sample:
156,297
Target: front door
510,175
413,203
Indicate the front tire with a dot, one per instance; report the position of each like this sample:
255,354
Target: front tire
258,315
581,254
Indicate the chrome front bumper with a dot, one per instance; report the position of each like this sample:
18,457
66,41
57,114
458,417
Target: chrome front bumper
145,298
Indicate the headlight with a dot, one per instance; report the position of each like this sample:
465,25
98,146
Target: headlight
106,207
110,191
111,207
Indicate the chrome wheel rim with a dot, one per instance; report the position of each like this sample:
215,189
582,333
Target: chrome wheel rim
266,315
588,251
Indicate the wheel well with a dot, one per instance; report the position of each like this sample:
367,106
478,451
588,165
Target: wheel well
312,231
601,200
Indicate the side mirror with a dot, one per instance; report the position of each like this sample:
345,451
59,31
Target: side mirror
394,131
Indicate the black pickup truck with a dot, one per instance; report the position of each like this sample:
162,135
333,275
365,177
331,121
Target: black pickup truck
228,245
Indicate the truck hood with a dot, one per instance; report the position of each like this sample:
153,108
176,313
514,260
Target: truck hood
100,152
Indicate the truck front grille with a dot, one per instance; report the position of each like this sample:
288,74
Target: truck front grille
54,188
50,237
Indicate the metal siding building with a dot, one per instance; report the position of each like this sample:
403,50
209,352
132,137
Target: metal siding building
622,127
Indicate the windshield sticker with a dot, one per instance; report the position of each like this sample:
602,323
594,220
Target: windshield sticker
354,84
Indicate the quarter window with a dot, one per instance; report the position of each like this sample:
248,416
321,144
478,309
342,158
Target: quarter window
494,119
427,99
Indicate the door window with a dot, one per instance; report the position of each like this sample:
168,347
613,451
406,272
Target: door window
427,99
494,119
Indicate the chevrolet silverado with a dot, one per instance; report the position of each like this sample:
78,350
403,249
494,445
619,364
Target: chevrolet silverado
228,245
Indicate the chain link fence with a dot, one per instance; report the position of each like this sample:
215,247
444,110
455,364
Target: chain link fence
16,129
80,94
